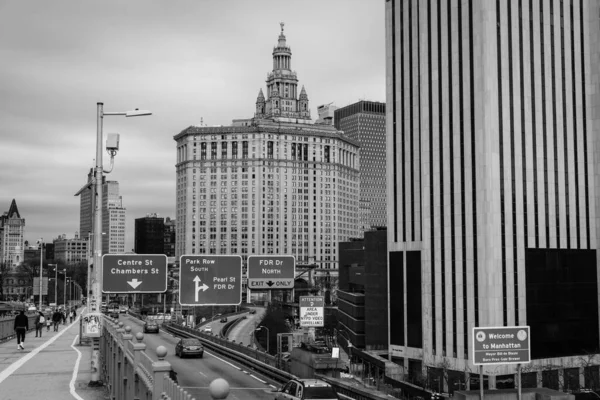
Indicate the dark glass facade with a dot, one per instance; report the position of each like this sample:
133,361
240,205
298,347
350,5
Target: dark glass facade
362,290
562,302
149,235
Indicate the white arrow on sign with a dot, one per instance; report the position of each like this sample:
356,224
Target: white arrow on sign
198,287
134,283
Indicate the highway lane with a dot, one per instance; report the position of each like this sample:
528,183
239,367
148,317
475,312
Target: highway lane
195,374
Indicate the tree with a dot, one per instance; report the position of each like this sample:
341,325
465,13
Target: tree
4,270
274,320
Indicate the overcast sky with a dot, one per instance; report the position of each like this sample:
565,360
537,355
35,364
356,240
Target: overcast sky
183,60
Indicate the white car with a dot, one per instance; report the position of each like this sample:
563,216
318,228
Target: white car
32,308
305,389
207,329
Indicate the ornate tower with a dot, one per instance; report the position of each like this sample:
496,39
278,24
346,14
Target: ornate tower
303,104
282,87
260,105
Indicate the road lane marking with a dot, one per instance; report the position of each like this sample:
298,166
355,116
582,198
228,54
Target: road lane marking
231,388
226,362
258,379
75,371
274,387
203,374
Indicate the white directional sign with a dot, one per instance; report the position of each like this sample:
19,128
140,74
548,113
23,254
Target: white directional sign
198,287
311,311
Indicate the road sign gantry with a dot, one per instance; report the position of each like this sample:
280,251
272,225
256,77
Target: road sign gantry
210,280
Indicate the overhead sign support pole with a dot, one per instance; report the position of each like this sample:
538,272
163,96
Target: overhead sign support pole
499,346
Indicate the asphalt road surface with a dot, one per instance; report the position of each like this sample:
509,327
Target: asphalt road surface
195,374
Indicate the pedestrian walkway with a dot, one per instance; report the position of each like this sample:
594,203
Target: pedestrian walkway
53,366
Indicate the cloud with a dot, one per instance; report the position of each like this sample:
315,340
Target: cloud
184,61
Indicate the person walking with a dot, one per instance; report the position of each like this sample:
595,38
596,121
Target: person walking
39,324
48,322
56,318
21,326
64,316
72,315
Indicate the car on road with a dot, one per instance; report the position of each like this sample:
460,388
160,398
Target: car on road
207,329
189,347
306,389
150,325
123,309
224,319
253,311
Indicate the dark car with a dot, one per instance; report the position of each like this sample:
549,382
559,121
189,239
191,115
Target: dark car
253,311
224,319
150,326
189,347
306,389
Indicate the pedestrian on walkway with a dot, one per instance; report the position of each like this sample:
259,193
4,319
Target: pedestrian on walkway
56,318
39,324
21,326
72,315
64,316
48,322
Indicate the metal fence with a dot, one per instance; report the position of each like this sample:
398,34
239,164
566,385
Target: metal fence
7,326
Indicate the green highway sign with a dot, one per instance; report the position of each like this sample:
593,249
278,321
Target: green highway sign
501,345
134,273
271,272
210,280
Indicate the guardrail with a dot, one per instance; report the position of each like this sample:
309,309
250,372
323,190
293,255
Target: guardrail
7,326
128,372
227,327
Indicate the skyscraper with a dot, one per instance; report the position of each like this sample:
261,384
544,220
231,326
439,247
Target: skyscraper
113,215
169,237
86,207
12,229
364,122
492,193
272,184
113,219
150,235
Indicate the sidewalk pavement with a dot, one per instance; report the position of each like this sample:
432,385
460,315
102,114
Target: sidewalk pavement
51,367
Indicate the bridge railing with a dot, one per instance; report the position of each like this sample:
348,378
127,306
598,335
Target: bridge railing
128,371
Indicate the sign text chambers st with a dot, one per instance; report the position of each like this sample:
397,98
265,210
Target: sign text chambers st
143,273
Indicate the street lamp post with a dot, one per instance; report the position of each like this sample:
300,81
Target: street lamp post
55,282
65,290
267,329
41,242
96,283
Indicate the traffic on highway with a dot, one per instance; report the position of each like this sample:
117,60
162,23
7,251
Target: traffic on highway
195,374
